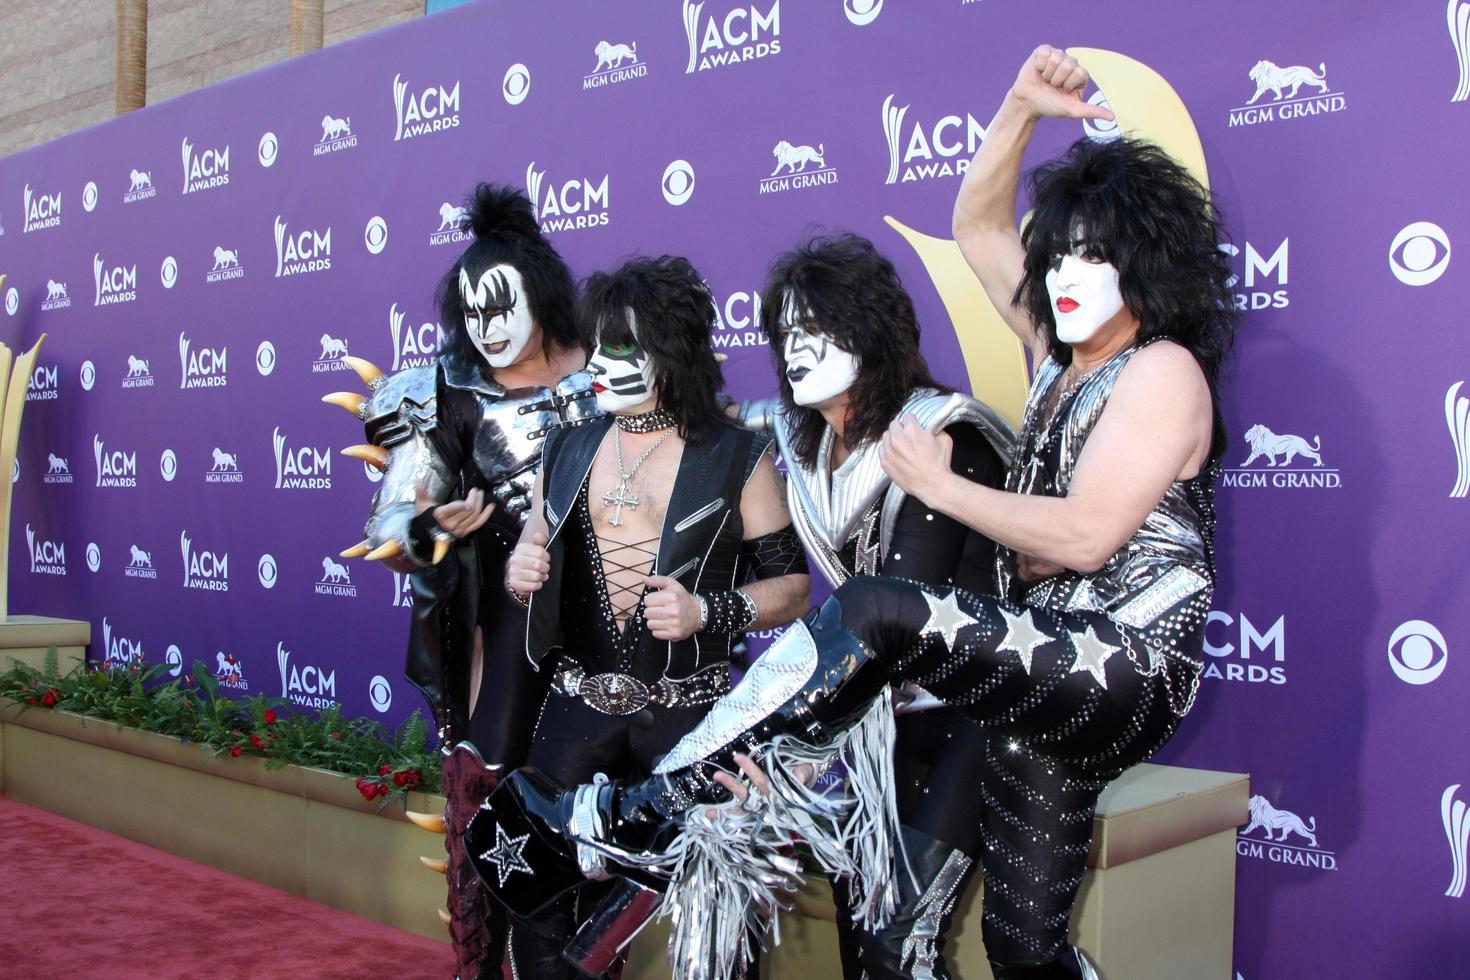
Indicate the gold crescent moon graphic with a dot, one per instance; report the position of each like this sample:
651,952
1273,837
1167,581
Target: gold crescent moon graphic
1147,107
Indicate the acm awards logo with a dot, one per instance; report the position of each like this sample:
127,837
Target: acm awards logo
308,686
206,168
119,651
743,33
58,470
140,564
40,210
1263,277
413,347
115,468
140,186
920,151
226,266
1456,817
225,468
44,384
1242,652
451,230
138,374
615,63
798,167
402,591
306,251
204,569
306,468
56,297
47,557
1286,86
1282,461
230,672
118,284
336,136
1285,838
1459,24
574,204
202,368
336,580
433,110
738,320
1457,417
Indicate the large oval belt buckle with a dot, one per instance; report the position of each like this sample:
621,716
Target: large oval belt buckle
615,694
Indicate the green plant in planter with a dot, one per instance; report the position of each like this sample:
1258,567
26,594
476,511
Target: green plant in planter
387,764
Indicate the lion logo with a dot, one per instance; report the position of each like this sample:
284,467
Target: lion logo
140,179
796,158
451,217
1270,77
335,128
224,258
332,347
224,461
137,367
228,668
55,290
1264,442
56,464
1270,819
613,55
141,558
334,572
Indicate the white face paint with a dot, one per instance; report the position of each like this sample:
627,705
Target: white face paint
497,315
1084,293
817,368
622,376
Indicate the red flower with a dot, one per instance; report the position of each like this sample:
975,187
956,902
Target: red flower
400,778
415,778
382,789
33,701
257,741
269,717
49,698
235,751
367,787
384,770
334,735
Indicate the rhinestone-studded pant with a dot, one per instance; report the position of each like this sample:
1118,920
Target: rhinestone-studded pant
1070,701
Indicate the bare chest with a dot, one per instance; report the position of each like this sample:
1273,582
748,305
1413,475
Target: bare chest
630,505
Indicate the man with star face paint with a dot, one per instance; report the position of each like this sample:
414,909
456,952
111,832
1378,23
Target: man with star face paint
658,537
459,443
1090,653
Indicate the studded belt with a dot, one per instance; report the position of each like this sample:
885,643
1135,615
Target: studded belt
623,694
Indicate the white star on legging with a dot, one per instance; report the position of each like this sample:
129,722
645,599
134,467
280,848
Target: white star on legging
506,855
1022,636
1092,655
946,618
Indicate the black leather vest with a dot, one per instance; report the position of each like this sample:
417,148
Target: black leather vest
702,531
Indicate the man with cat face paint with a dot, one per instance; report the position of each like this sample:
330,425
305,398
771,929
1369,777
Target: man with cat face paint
459,443
847,352
658,536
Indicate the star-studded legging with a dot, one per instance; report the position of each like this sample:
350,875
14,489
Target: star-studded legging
1070,700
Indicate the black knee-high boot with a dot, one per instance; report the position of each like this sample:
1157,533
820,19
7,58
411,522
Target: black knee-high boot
911,944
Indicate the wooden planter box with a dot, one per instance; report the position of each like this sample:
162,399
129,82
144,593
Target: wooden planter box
304,831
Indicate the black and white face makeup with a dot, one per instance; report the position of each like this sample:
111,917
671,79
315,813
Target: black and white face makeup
622,374
496,314
817,368
1084,290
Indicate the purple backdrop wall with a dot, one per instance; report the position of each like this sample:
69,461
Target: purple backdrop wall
200,264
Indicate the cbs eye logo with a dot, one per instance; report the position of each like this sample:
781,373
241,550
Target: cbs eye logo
1417,652
1419,253
516,84
678,182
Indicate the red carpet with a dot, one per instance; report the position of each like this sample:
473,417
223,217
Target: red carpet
76,902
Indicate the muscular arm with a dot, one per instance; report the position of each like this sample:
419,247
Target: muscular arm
783,598
1049,84
1155,430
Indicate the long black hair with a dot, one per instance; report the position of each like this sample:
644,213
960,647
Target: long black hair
1148,216
856,300
675,314
505,229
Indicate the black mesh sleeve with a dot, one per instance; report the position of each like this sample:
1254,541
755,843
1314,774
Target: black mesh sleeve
774,554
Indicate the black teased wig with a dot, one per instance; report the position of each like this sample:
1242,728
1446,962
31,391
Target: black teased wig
856,300
505,229
675,315
1144,213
